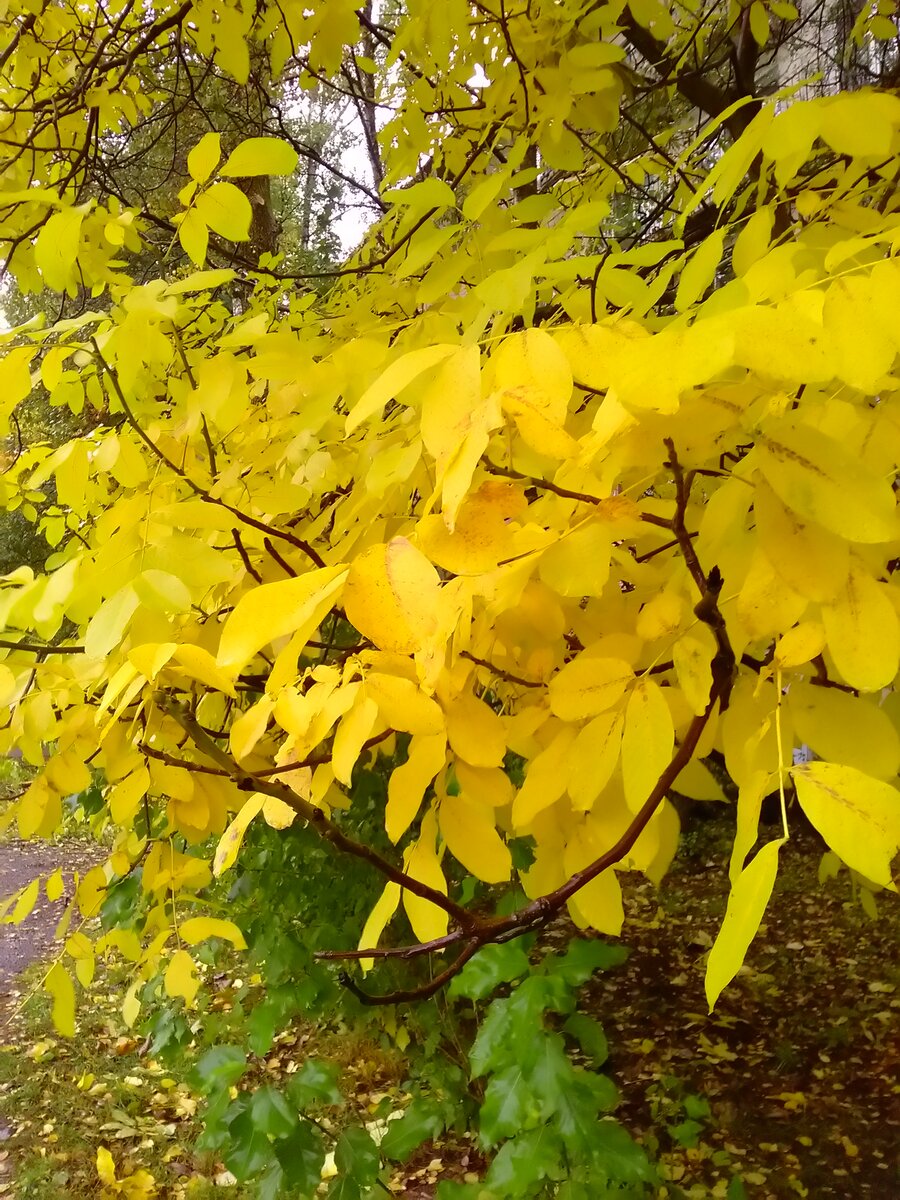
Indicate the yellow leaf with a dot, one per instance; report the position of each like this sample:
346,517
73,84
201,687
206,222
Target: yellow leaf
749,806
106,1168
198,929
491,787
800,644
226,210
820,480
260,156
470,834
60,986
863,632
746,905
194,237
845,729
250,727
204,158
696,781
392,596
660,616
125,798
278,814
57,245
545,779
403,705
407,784
577,564
647,742
588,685
700,271
765,605
812,561
475,732
693,666
535,383
54,886
272,610
352,732
599,903
398,375
25,903
421,862
384,909
593,758
181,977
230,841
858,816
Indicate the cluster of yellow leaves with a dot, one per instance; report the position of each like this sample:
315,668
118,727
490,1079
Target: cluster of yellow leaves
488,505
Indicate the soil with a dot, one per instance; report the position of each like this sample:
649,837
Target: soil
799,1064
29,942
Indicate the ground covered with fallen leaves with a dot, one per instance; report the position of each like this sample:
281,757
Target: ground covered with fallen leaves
793,1083
791,1088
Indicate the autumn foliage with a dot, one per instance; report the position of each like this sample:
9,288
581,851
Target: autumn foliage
580,471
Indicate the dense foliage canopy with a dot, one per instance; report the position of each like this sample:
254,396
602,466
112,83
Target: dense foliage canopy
578,474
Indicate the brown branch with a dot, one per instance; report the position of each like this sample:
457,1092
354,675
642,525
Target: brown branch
196,488
549,486
316,818
37,648
499,672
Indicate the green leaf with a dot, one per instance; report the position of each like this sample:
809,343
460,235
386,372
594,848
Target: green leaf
509,1106
619,1157
584,958
356,1156
686,1133
301,1155
578,1105
219,1067
249,1149
589,1035
271,1113
315,1083
261,156
510,1033
226,210
490,967
422,1120
525,1161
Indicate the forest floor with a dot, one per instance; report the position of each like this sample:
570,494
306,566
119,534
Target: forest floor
791,1088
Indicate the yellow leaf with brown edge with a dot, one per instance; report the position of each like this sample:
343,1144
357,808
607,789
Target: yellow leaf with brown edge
392,596
230,841
821,480
858,816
